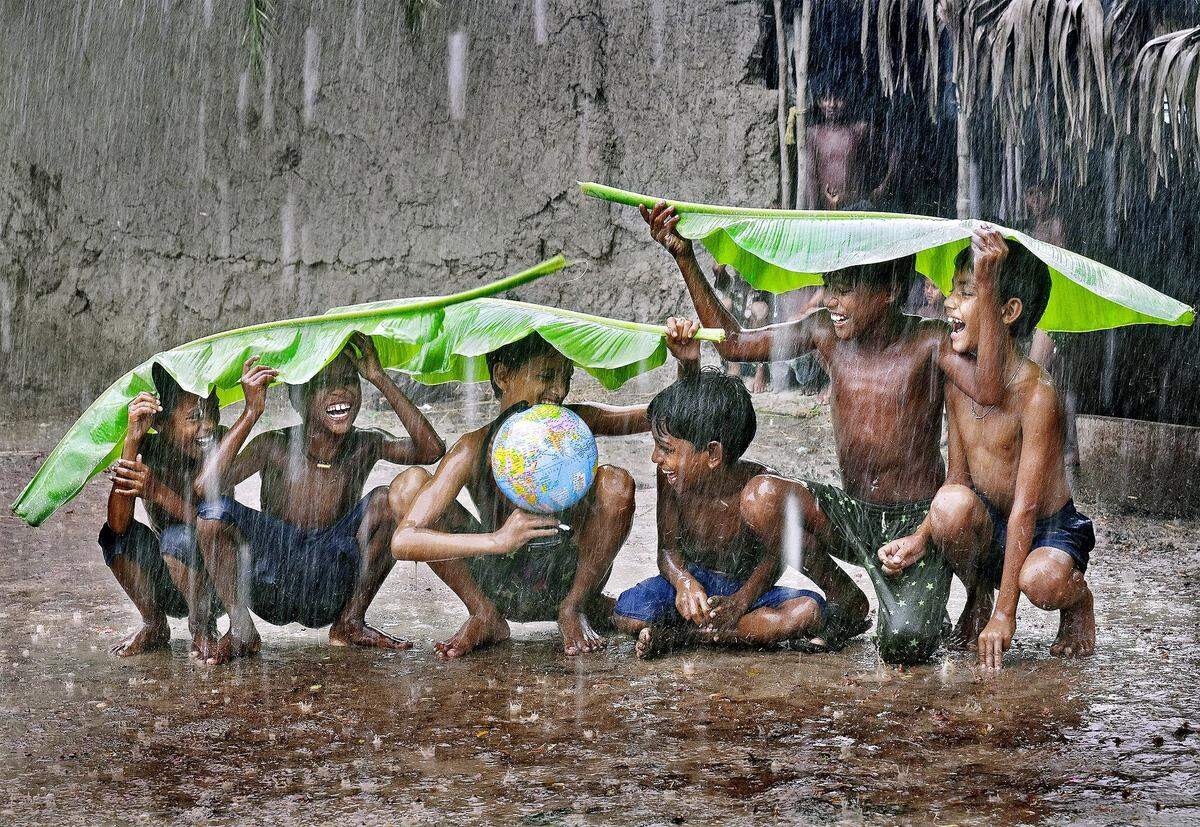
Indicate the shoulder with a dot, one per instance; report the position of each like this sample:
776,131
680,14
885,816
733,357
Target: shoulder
1041,406
470,444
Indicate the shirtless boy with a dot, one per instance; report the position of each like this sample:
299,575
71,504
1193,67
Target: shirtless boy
720,520
840,159
1005,518
886,371
318,553
157,565
487,561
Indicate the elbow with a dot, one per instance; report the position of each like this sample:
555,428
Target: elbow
402,543
434,451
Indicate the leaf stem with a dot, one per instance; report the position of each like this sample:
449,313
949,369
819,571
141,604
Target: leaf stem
704,334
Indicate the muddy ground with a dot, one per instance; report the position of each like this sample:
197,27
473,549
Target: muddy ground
523,734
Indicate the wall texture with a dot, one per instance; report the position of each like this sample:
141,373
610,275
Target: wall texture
152,191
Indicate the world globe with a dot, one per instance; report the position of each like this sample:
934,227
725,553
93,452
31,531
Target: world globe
544,459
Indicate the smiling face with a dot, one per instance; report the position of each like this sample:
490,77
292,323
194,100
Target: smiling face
854,306
542,378
333,397
682,464
189,427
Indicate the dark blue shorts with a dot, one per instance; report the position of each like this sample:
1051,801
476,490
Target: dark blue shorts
145,548
653,600
1066,530
299,575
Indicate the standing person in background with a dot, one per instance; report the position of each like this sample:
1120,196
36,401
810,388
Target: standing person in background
843,149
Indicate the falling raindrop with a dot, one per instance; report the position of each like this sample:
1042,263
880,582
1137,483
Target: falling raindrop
224,220
658,29
6,305
793,533
540,37
208,14
312,72
243,104
268,90
289,247
457,73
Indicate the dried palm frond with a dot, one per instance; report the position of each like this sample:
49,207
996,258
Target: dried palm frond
1163,97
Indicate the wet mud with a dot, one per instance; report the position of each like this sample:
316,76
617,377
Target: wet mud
523,734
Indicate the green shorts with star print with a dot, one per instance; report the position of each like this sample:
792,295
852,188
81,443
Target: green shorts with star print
912,604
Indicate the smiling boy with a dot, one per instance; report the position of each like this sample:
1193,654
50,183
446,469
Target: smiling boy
887,373
318,548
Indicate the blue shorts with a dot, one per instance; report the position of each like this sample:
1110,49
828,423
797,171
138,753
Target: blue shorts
1066,530
653,600
299,575
146,549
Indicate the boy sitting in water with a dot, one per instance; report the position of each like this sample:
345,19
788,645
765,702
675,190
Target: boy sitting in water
1005,518
720,521
488,562
886,371
157,565
319,548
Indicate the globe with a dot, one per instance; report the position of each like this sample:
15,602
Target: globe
544,459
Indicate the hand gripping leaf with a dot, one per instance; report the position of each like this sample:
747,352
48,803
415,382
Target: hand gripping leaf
780,250
298,348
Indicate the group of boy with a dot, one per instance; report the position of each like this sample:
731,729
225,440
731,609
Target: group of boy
1001,517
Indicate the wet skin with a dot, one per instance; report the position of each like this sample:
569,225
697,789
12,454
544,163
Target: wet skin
433,527
1012,453
161,470
313,475
732,513
840,156
887,373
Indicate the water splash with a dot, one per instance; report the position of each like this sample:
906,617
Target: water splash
312,72
456,73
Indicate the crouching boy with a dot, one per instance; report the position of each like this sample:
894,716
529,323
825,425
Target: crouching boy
1005,518
719,530
318,549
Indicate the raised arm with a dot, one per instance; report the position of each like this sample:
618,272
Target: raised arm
424,446
1041,441
416,537
228,464
130,477
980,377
761,344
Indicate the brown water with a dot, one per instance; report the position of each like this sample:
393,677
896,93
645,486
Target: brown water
523,734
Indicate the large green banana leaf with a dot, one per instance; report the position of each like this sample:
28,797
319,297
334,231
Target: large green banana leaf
611,350
298,348
780,250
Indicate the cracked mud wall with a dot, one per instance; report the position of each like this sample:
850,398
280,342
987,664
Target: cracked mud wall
153,191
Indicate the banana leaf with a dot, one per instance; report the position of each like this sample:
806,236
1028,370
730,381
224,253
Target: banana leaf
611,350
781,250
298,348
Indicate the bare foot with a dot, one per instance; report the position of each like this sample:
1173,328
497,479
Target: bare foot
204,644
1076,630
656,641
479,631
229,648
579,637
149,637
977,611
360,634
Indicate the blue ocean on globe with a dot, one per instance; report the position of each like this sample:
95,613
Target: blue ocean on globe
544,459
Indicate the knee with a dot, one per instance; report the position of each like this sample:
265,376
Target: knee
952,513
1045,585
404,489
614,488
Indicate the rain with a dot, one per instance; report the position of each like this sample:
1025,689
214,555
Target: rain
172,170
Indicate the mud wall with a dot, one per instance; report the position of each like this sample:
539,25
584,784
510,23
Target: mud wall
153,190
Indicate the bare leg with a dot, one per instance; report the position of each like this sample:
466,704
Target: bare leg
607,518
1051,582
220,544
154,633
374,539
197,591
795,618
962,529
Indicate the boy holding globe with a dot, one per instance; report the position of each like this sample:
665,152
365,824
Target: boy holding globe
488,562
887,373
1005,518
720,526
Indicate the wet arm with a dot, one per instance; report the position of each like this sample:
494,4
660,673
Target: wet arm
120,506
424,446
613,420
670,562
226,467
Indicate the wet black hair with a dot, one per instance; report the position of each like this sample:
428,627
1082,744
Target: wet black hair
169,392
895,275
515,355
710,406
1023,276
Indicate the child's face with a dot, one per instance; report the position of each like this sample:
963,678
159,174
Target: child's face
682,464
853,306
962,311
190,426
933,296
545,378
334,397
832,107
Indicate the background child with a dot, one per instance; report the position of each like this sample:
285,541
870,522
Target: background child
1005,518
717,564
504,578
157,565
318,547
